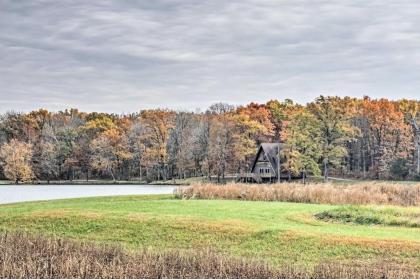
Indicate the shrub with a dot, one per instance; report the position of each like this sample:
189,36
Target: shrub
400,168
371,216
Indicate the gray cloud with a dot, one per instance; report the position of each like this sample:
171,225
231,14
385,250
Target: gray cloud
122,56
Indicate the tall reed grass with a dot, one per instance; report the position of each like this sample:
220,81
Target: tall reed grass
25,256
383,193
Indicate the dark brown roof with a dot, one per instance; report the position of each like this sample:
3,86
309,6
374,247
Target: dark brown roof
271,151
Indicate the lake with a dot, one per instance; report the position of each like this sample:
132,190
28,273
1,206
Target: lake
21,193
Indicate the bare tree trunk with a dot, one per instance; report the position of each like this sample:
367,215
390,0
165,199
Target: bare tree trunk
112,174
416,129
326,170
418,158
223,172
364,163
140,173
209,172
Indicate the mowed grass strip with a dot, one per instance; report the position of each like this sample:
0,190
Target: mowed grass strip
277,232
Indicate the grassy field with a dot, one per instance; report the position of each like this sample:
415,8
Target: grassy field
280,233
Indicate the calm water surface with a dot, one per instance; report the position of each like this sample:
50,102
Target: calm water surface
21,193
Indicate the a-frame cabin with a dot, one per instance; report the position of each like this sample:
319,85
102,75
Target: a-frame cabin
265,167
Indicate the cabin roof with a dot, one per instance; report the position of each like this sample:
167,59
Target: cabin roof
271,151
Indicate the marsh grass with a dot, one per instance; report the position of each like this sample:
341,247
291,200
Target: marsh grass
382,193
26,256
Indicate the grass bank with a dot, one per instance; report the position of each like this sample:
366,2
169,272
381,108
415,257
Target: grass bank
277,232
188,181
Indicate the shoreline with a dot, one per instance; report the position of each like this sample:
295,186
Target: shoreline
96,183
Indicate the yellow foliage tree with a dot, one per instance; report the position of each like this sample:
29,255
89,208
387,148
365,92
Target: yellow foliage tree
157,124
16,161
109,150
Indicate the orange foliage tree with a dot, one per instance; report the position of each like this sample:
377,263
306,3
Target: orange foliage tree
390,135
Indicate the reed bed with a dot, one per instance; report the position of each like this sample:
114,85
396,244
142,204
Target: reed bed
381,193
26,256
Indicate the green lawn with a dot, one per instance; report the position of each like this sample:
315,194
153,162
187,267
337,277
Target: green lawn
273,231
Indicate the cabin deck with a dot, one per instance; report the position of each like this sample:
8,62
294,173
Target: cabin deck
254,178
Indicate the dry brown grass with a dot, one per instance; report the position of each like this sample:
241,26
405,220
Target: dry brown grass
360,193
23,256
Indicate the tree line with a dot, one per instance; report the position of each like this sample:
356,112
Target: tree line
346,137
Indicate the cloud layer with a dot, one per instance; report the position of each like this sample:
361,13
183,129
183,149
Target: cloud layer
122,56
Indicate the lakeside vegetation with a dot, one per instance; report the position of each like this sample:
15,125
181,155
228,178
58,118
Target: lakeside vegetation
359,193
331,136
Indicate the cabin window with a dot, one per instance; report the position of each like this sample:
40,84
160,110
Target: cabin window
267,170
261,170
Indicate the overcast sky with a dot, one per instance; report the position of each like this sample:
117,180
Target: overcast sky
122,56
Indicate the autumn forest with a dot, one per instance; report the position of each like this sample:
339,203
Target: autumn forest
331,136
